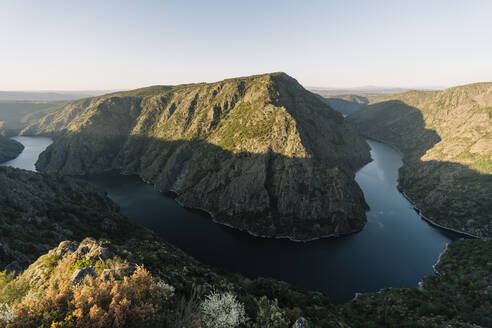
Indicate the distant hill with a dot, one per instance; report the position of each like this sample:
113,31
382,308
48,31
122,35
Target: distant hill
446,137
346,104
349,101
15,115
18,108
47,95
259,153
365,91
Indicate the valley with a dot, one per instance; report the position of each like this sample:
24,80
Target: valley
245,164
405,253
325,265
352,314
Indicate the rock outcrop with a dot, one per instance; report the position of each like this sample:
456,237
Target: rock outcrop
81,273
446,139
258,153
9,149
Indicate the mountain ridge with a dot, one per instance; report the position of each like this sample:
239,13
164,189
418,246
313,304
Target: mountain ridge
259,153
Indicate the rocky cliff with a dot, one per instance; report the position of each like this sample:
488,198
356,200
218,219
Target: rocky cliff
258,153
9,149
446,138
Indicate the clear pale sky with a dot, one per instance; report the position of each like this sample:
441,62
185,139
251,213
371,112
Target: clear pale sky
90,45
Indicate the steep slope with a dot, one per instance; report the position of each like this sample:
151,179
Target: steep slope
258,153
75,281
446,138
9,149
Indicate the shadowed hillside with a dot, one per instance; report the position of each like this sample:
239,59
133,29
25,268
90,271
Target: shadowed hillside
9,149
446,138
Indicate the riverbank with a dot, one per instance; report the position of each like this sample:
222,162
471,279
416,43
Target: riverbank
430,221
417,209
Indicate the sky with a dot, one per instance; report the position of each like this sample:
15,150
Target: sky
115,45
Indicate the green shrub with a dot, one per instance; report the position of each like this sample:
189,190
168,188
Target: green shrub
270,315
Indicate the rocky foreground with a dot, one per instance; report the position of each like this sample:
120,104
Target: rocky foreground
9,149
258,153
446,139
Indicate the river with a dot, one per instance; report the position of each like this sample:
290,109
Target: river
395,248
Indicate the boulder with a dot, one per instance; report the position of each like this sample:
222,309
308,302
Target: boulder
80,274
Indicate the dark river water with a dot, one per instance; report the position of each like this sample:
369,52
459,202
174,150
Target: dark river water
395,249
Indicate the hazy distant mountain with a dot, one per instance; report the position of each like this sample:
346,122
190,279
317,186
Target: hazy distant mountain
356,91
47,95
346,104
14,115
18,108
446,137
352,100
260,153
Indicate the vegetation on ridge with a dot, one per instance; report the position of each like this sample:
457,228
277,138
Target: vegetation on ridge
258,153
